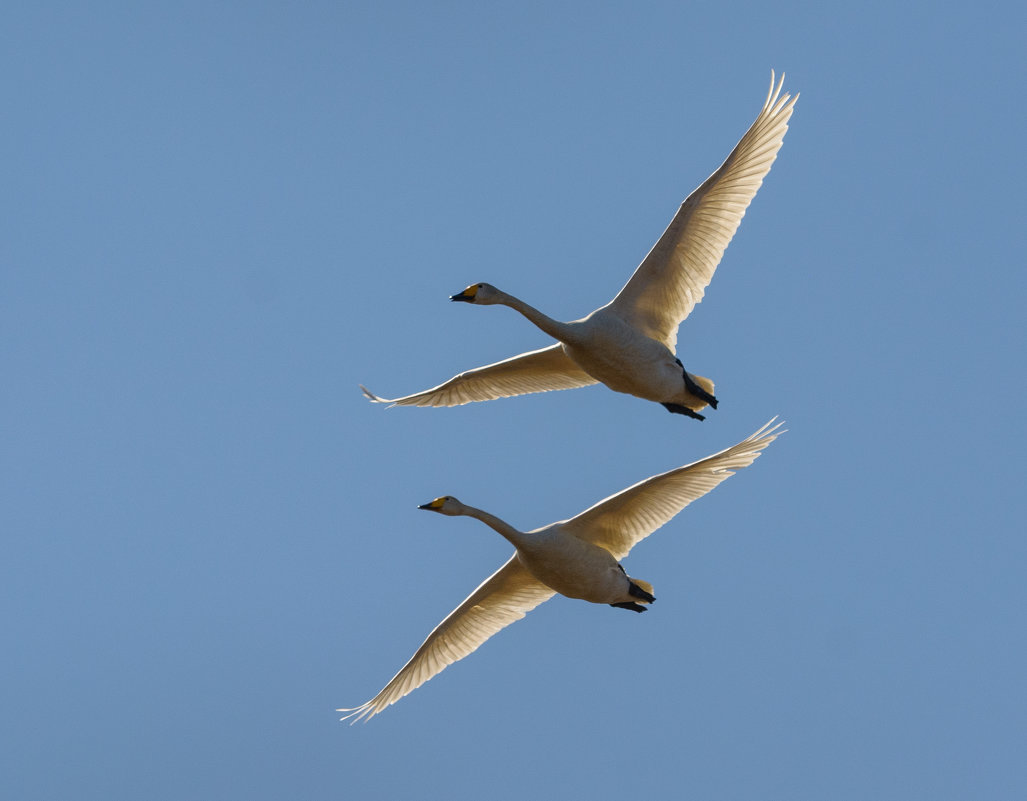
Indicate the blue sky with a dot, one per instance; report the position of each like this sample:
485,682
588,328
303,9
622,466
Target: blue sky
219,218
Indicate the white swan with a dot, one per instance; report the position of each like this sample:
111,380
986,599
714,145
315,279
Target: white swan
577,558
629,344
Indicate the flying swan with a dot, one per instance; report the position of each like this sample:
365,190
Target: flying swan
578,558
629,343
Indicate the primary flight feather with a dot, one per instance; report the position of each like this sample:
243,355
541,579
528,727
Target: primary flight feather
629,344
578,558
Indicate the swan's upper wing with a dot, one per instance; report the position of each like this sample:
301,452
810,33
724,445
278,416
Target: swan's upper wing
507,595
624,519
671,279
537,371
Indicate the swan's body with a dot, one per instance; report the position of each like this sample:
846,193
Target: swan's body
629,344
564,562
578,558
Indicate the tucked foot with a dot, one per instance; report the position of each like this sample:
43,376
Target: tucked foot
699,392
629,605
677,408
637,592
694,389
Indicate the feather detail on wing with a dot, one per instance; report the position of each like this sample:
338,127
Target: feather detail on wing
625,519
506,596
671,280
537,371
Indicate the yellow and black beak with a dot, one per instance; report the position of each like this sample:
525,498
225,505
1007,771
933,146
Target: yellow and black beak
434,506
467,296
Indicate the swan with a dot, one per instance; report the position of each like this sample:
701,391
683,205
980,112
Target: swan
578,558
629,344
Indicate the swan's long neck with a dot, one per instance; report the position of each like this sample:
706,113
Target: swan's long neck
554,328
515,537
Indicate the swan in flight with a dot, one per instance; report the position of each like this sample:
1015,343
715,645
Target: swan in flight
578,558
629,344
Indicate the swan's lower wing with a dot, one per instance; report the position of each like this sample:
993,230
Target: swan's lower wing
537,371
622,520
507,595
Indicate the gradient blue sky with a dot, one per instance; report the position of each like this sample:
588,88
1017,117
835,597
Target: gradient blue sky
220,217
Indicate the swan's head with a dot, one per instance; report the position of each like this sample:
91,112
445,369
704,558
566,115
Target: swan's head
482,294
446,505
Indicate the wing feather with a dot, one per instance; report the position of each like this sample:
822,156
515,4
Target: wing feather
621,521
506,596
673,277
536,371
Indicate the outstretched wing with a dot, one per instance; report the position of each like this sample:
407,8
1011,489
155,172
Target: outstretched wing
671,280
624,519
507,595
537,371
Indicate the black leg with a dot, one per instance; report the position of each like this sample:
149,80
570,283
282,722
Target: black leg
677,408
629,605
698,391
637,592
695,389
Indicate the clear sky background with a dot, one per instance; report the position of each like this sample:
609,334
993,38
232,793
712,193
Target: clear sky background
219,218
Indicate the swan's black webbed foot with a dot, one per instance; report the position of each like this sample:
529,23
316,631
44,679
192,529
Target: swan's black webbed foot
699,392
637,592
629,605
677,408
694,389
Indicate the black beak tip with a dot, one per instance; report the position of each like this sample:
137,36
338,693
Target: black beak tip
425,506
461,297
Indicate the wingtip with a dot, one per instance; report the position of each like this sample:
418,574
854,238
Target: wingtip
370,395
776,102
363,713
770,92
769,430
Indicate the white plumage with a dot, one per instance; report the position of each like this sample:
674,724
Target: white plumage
629,344
577,557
